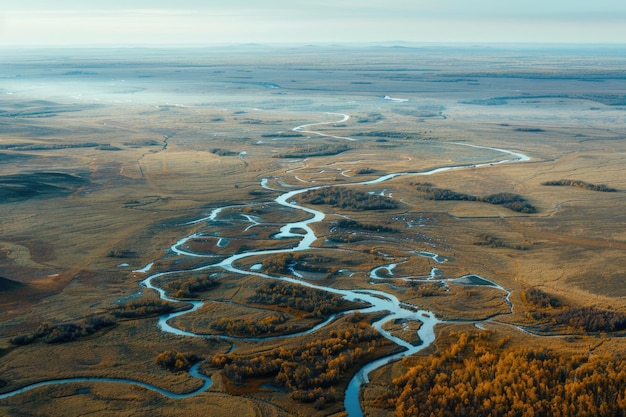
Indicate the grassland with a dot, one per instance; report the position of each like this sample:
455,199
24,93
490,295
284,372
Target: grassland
104,169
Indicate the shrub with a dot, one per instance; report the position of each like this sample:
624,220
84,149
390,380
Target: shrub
176,361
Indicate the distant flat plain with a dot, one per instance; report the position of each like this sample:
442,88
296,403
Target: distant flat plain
107,157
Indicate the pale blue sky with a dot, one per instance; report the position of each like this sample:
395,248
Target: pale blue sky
158,22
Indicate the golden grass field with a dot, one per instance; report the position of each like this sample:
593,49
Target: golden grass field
140,151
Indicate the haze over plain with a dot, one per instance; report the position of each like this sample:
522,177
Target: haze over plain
71,22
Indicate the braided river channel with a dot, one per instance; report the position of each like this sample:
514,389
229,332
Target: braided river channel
387,305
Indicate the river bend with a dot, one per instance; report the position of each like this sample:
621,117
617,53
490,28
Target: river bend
379,301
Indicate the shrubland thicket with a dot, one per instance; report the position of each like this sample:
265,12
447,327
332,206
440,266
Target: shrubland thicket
346,198
551,313
309,371
511,201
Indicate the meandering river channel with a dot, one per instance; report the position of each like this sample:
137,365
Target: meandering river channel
380,302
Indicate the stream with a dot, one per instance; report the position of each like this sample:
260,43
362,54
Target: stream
380,302
193,371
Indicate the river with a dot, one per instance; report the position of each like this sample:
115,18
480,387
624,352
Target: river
380,302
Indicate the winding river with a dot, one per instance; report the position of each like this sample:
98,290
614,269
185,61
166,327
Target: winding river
193,371
379,301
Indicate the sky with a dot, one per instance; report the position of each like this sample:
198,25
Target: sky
206,22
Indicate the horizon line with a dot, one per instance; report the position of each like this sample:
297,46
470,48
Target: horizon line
395,43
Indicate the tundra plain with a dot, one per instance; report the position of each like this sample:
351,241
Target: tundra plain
108,158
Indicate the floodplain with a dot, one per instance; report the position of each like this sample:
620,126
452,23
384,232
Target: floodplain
309,231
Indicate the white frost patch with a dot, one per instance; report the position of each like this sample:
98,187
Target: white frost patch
397,100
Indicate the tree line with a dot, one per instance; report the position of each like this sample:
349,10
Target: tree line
581,184
343,231
316,303
67,332
485,239
309,151
345,224
511,201
241,327
191,287
143,308
551,311
62,333
283,263
346,198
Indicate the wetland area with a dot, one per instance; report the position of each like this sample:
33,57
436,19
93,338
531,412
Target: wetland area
313,231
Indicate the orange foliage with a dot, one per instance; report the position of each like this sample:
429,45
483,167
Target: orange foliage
475,377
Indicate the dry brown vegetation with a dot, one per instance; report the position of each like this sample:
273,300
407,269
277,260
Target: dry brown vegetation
481,374
94,191
311,370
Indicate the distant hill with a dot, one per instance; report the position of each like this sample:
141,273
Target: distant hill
13,157
18,187
7,284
